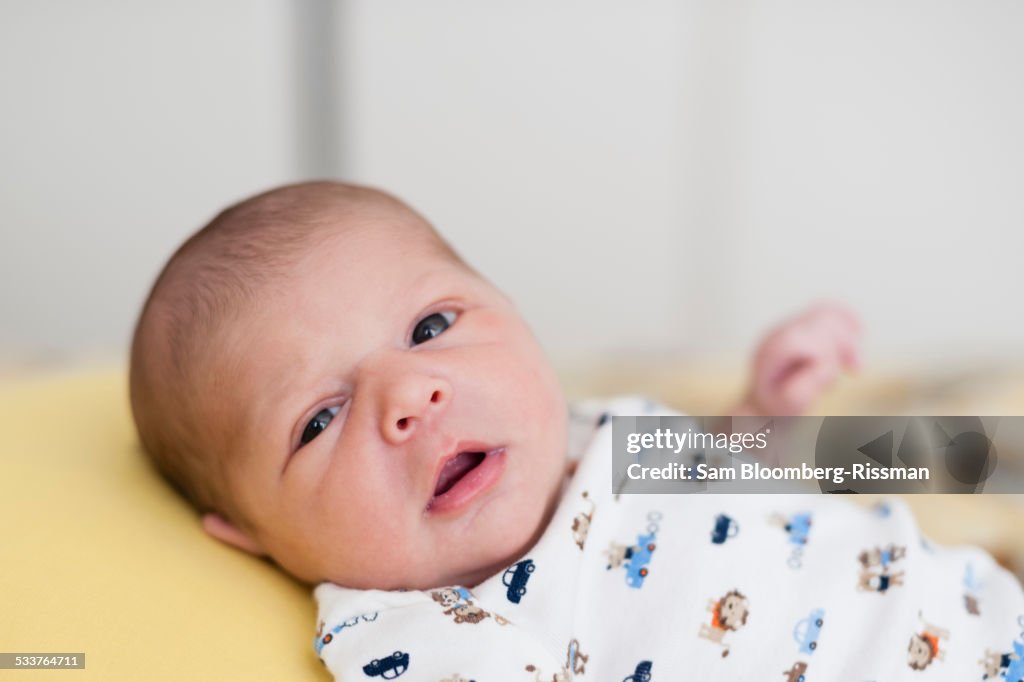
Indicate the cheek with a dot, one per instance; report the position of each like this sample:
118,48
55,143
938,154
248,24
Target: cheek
510,367
363,534
353,497
525,367
533,399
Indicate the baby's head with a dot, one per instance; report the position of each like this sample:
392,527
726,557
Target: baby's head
332,387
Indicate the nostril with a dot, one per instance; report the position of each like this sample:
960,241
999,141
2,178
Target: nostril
435,397
402,424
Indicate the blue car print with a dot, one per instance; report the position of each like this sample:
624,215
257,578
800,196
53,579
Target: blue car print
807,631
636,569
641,674
388,668
799,527
724,529
515,578
1015,671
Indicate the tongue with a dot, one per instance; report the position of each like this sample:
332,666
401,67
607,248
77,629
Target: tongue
455,468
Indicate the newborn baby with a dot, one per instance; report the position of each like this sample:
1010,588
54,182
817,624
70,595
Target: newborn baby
333,388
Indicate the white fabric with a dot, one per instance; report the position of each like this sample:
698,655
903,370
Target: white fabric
878,588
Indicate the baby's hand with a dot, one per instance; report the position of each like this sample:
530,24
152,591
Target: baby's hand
798,360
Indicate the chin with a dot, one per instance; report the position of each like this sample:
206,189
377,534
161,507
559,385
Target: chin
517,539
505,529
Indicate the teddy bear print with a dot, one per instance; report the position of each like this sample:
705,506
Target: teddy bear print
635,558
617,553
876,573
458,603
881,557
878,582
1008,667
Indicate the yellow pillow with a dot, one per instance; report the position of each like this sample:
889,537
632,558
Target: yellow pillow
100,556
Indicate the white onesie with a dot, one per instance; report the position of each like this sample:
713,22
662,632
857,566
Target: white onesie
694,587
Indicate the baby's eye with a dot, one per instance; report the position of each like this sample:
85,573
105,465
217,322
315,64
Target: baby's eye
318,424
431,326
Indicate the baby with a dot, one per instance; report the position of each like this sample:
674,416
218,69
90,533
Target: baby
335,389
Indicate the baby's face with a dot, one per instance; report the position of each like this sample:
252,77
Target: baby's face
393,420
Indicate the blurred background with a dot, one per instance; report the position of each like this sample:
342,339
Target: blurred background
660,179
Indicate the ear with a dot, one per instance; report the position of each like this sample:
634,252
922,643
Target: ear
220,528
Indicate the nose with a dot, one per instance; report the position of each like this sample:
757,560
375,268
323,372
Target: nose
410,400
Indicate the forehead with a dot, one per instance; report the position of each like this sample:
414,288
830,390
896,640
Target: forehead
347,281
370,271
372,237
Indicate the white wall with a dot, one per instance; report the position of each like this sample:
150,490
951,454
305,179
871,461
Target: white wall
125,126
882,159
541,138
661,175
701,169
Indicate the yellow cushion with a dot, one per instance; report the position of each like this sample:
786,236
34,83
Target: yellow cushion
100,556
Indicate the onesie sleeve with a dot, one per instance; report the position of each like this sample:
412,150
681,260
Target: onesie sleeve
440,636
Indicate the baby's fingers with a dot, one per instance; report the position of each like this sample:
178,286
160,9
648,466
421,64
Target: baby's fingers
799,389
850,352
836,331
789,349
802,357
786,373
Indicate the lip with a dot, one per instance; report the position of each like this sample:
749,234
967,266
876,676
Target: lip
474,484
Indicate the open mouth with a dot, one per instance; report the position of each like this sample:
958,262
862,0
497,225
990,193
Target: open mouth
455,469
465,475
